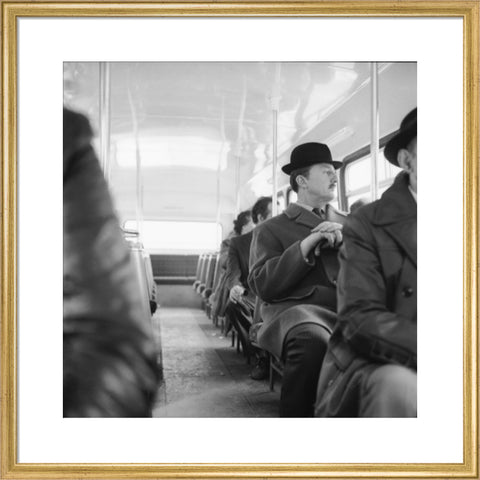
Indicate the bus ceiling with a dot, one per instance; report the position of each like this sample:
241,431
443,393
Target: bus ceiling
188,140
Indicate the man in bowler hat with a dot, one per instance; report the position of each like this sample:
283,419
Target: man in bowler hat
370,369
293,269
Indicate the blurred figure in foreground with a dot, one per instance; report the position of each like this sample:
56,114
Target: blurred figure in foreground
109,357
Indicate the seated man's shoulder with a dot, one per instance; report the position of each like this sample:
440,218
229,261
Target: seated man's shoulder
272,223
363,218
241,240
366,212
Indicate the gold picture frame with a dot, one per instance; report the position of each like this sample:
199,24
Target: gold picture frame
469,11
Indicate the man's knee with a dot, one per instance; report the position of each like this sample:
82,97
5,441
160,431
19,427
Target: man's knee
389,391
307,342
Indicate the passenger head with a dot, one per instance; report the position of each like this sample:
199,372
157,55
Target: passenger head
312,172
357,204
293,177
401,149
262,210
243,223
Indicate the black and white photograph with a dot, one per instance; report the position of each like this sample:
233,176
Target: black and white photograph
214,249
240,239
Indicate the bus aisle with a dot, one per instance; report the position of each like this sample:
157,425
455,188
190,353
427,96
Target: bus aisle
204,376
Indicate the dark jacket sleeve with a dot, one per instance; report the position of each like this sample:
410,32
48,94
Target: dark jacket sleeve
233,267
275,271
366,323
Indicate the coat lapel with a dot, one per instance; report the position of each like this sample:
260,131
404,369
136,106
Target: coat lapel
302,216
397,213
405,234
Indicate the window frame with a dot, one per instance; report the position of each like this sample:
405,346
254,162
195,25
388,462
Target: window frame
355,157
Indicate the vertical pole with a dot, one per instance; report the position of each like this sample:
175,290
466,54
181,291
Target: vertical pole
275,107
274,165
237,183
105,118
219,165
138,160
374,132
238,149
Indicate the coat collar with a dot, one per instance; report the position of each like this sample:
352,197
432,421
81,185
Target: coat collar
309,219
397,213
396,204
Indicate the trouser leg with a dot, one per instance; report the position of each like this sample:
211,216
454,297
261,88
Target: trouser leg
240,318
303,351
389,391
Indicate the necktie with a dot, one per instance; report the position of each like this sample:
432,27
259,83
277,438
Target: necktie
317,212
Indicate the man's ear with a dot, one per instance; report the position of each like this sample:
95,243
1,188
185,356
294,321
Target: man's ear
300,179
404,160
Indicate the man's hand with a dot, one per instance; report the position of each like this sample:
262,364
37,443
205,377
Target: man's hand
326,233
236,292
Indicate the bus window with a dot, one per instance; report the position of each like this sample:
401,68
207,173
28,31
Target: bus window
357,177
291,196
178,237
281,202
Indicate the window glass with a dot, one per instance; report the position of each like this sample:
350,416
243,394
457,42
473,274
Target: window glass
357,177
357,174
292,197
178,237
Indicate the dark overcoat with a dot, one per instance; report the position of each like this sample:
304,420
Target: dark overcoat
237,265
377,299
219,298
237,260
293,289
109,354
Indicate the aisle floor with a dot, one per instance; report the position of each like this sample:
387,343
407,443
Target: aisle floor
204,376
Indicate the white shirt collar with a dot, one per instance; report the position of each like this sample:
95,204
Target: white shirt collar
308,207
414,194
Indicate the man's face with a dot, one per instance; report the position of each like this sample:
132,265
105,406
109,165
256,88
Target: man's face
322,182
248,227
407,160
413,154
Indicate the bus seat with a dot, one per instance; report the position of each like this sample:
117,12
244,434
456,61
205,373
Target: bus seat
198,274
203,283
210,277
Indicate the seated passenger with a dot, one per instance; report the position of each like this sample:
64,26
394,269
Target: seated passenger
293,269
359,203
370,369
109,356
240,308
219,299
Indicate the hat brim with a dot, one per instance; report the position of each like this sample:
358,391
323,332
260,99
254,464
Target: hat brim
288,168
396,143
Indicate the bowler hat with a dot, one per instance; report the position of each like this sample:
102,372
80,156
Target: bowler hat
308,154
406,133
